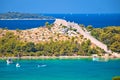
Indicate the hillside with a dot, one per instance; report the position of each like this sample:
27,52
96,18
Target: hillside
60,38
42,34
109,36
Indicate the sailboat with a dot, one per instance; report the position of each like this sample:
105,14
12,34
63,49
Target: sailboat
17,64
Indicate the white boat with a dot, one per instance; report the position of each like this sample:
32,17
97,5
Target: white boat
95,57
9,61
42,65
17,65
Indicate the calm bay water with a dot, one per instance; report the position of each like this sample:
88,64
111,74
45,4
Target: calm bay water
23,24
97,20
77,69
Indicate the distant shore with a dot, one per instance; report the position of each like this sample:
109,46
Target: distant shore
27,19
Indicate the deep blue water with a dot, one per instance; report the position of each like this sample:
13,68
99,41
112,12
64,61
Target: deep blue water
23,24
97,20
77,69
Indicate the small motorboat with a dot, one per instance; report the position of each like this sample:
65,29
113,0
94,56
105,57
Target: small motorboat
42,65
9,61
17,65
95,58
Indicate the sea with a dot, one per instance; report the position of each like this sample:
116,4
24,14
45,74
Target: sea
59,69
96,20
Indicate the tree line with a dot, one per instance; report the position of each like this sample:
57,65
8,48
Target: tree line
10,45
108,35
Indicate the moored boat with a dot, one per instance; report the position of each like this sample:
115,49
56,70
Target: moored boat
17,65
95,58
9,61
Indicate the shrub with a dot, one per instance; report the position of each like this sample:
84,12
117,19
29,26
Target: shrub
116,78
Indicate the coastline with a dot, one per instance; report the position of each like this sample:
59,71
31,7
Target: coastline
48,57
59,57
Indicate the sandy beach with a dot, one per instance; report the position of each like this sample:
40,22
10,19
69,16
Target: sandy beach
59,57
48,57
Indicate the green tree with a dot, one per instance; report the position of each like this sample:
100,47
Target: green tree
115,47
108,35
89,27
116,78
48,25
30,47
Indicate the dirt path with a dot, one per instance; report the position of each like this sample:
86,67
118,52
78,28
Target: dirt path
84,33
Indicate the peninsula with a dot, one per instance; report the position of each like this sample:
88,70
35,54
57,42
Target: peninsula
61,38
23,16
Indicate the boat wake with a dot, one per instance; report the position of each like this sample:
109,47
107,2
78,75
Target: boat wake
43,65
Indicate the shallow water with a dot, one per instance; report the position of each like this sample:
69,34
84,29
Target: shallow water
70,69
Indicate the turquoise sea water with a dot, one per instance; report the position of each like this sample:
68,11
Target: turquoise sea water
77,69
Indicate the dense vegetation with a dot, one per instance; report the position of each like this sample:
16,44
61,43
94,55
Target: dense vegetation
116,78
17,15
11,46
109,36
